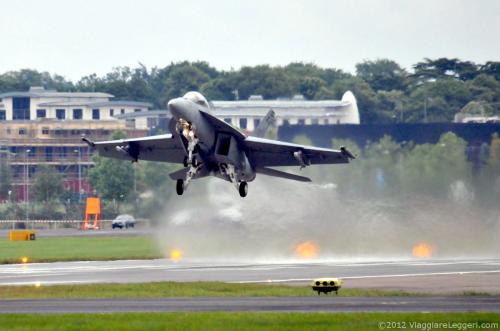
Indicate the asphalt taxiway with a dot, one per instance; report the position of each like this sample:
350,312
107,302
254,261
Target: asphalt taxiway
440,276
299,304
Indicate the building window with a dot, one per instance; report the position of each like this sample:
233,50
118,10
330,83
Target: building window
49,153
243,123
96,114
227,120
137,110
63,152
77,114
122,111
3,117
32,152
9,131
301,122
45,130
111,112
41,113
21,108
61,114
22,131
256,122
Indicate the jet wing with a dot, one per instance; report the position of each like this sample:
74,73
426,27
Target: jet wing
268,153
163,148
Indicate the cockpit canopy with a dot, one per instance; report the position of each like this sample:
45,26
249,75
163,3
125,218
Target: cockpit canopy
197,98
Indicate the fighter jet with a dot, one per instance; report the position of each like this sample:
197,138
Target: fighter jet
208,146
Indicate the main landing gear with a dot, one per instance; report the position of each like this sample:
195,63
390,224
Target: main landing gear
182,184
229,171
179,187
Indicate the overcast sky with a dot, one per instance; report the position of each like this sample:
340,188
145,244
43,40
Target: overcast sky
79,37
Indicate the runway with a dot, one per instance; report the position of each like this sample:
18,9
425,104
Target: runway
444,276
298,304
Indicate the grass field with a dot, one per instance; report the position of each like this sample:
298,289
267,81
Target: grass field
243,321
78,248
176,289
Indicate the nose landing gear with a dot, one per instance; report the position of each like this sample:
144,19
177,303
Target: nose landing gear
187,131
243,189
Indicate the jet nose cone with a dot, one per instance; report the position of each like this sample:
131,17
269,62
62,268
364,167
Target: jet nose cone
175,107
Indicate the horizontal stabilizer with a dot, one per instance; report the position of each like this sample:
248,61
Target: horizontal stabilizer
281,174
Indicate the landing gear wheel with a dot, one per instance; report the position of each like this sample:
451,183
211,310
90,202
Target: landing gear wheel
243,189
185,162
179,187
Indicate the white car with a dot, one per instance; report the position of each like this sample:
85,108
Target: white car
123,221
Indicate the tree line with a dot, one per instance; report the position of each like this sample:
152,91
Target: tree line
434,90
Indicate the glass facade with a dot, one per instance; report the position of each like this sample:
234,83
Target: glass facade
41,113
61,114
2,115
77,114
21,108
49,153
243,123
96,114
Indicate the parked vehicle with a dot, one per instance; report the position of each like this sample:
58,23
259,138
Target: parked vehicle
123,221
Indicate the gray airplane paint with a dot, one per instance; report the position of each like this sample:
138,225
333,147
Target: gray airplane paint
208,146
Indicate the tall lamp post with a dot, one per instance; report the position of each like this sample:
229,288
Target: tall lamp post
26,183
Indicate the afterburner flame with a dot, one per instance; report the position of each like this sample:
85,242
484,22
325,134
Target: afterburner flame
175,255
307,250
422,250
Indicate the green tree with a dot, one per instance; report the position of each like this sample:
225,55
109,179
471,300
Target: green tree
381,165
183,79
23,79
491,68
113,179
350,179
218,89
439,101
382,74
264,80
431,169
5,178
392,104
444,68
309,86
48,186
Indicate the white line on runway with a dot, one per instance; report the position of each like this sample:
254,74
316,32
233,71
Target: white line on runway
369,276
48,282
